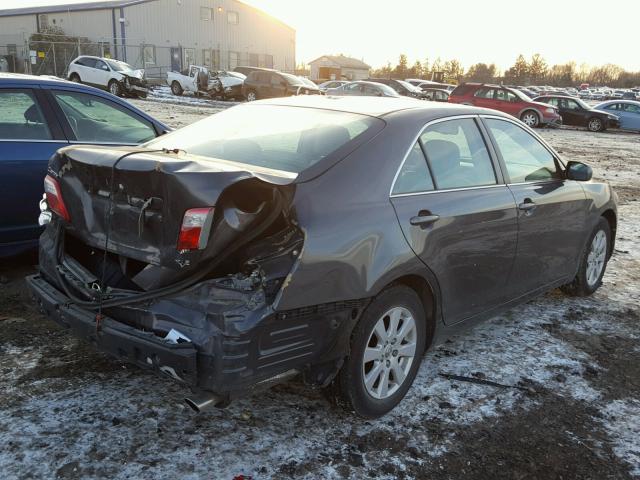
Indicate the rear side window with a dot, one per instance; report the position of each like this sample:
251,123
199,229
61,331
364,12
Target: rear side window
21,117
414,175
97,120
457,155
526,159
86,62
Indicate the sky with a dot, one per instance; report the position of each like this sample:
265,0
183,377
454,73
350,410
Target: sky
490,31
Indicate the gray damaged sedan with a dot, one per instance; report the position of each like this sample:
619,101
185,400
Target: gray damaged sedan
332,238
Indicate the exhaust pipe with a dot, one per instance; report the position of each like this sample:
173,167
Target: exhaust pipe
206,401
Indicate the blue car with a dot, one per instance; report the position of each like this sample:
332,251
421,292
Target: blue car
38,116
627,110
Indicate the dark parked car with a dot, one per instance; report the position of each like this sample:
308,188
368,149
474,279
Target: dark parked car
363,89
403,88
333,237
261,84
507,100
39,116
576,112
247,70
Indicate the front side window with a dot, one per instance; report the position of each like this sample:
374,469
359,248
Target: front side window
289,139
97,120
21,117
457,155
100,65
526,159
414,175
629,107
572,105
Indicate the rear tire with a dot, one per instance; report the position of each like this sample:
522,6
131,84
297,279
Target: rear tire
593,263
530,118
176,89
75,78
595,124
392,334
115,88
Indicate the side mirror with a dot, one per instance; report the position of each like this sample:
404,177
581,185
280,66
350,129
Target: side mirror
579,171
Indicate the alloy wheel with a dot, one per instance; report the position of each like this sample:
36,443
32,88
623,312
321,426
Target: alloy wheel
596,258
530,119
251,97
390,352
595,124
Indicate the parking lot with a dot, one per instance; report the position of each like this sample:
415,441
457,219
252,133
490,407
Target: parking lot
553,384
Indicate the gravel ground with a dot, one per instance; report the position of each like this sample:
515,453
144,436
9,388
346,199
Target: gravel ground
569,406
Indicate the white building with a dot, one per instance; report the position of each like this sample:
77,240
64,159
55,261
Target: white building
170,34
337,67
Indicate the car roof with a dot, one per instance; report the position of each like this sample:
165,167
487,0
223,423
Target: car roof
23,79
372,106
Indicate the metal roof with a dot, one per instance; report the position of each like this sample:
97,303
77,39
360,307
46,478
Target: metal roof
70,7
344,62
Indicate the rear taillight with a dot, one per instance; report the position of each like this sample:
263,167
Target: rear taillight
54,197
195,228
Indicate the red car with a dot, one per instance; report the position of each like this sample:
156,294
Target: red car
507,100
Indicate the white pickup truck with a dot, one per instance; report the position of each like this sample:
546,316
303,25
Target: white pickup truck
198,80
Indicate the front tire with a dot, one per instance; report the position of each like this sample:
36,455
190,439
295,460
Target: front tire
595,124
387,346
115,88
530,118
593,262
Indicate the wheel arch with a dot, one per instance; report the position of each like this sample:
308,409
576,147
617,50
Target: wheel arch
612,219
428,298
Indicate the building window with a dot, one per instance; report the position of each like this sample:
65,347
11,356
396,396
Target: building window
216,59
189,57
254,60
206,57
205,14
268,61
233,60
43,21
233,17
149,52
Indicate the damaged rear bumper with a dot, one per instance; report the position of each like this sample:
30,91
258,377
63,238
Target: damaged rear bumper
145,349
237,343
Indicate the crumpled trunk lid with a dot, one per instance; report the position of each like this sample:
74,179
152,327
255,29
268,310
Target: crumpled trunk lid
151,192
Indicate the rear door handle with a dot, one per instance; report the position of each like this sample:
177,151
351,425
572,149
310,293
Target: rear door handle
424,220
527,206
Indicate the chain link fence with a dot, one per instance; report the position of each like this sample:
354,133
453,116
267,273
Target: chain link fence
51,56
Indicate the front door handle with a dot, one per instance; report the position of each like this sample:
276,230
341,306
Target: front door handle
527,206
424,220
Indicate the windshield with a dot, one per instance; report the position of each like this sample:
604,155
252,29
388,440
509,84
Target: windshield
292,79
387,90
408,86
119,66
289,139
521,95
581,103
307,82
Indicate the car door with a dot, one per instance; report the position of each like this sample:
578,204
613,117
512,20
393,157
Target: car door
85,69
629,114
29,136
102,73
572,113
458,216
507,102
551,209
484,97
278,86
92,119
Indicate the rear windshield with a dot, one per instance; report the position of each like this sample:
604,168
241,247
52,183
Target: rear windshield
290,139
